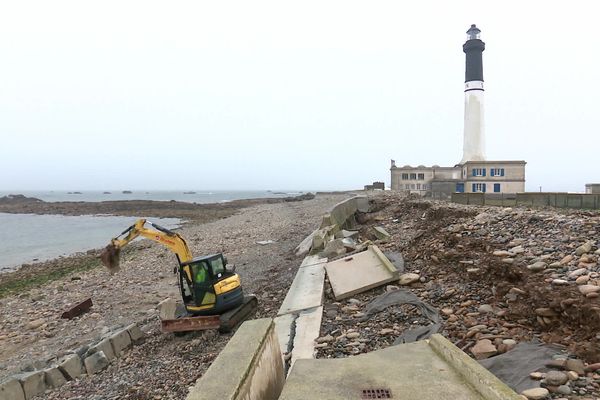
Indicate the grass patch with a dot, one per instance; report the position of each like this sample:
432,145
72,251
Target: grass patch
38,275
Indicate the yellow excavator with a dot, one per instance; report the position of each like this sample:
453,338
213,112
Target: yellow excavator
209,287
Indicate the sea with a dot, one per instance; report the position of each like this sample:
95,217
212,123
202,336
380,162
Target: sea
30,238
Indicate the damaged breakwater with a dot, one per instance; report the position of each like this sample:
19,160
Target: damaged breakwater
164,365
499,276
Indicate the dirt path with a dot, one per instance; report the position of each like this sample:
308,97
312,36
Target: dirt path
164,366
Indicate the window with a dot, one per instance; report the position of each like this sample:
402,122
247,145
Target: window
407,186
421,177
496,188
478,171
413,176
404,177
418,186
478,187
497,172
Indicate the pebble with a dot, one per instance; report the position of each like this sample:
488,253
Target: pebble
556,378
535,393
409,278
537,267
585,289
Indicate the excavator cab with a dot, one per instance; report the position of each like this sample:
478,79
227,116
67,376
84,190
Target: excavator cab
208,287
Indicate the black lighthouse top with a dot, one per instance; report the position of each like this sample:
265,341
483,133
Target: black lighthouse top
473,48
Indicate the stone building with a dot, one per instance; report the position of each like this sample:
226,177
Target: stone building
474,173
592,188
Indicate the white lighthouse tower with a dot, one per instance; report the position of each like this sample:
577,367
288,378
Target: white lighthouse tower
474,137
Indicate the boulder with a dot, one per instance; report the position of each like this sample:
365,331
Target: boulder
586,289
71,366
96,362
166,309
484,349
409,278
576,365
556,378
536,393
11,389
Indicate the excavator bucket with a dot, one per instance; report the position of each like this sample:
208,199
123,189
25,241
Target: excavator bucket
110,258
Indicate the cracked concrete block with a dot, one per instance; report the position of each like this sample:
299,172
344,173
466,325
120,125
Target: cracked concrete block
96,362
33,383
135,333
71,366
104,346
120,341
54,378
11,389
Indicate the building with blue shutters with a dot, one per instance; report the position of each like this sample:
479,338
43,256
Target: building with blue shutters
474,173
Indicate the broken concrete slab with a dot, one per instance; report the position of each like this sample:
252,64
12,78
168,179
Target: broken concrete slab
11,389
308,327
135,333
120,342
425,370
167,308
96,362
54,378
304,247
346,234
381,233
312,260
334,248
306,290
360,272
71,366
33,383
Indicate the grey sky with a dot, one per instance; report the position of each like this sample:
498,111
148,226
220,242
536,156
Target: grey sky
288,95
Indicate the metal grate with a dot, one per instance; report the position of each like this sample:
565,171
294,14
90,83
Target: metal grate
376,394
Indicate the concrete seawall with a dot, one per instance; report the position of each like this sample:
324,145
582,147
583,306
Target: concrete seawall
249,367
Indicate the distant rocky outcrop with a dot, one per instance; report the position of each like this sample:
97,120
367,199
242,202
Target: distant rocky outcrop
18,199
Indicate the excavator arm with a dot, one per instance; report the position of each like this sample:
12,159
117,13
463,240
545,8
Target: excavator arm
170,239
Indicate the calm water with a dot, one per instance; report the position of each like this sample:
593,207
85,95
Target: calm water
198,196
26,237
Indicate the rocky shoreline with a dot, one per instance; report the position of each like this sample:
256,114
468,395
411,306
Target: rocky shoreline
31,330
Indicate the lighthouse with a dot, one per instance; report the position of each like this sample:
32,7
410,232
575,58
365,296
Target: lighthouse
474,137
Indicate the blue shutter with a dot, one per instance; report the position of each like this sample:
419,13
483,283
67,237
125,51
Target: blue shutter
483,185
502,172
474,171
483,170
474,188
496,188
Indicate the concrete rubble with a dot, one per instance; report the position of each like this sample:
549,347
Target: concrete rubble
499,276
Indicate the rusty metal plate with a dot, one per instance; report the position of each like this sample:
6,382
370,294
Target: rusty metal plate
376,394
77,309
191,324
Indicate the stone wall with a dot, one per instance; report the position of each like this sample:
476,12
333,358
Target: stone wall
533,199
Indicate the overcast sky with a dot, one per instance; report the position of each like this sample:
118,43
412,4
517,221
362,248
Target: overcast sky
288,95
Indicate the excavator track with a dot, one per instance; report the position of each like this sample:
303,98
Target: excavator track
232,318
